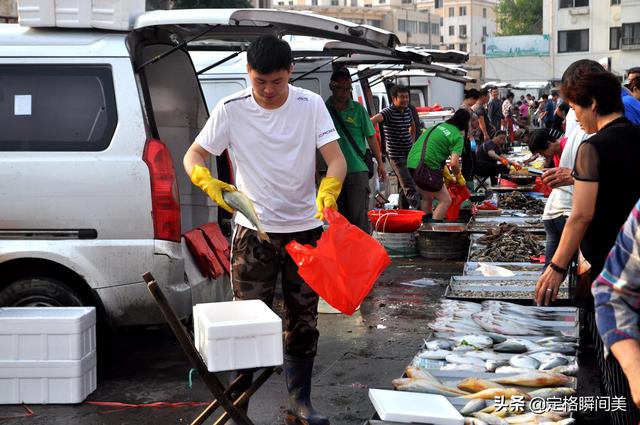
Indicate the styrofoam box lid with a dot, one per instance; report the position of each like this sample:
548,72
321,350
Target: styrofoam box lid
46,320
407,407
237,319
48,368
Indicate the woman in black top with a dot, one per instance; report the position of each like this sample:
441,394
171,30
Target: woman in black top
607,183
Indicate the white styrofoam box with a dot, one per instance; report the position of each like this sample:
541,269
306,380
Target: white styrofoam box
237,335
47,333
407,407
37,13
48,382
73,13
115,14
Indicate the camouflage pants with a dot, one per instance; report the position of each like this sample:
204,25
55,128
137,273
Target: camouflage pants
255,266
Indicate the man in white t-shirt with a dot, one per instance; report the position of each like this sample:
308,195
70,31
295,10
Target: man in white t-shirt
274,130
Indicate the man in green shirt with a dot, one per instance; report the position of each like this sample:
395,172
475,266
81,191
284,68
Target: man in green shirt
349,116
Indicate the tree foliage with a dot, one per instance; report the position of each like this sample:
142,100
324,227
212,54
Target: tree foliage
519,17
211,4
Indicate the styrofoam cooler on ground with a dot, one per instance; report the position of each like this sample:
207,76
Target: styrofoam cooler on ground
237,335
115,14
48,382
47,354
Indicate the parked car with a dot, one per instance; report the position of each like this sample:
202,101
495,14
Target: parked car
94,128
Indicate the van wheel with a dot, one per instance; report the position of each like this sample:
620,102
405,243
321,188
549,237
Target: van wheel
39,292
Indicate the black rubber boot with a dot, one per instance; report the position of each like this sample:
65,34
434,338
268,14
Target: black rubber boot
244,384
298,374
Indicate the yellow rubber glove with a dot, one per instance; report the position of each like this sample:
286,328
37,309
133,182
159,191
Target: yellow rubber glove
448,178
460,179
201,177
328,193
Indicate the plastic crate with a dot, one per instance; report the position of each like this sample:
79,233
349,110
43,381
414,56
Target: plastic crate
237,335
115,14
47,333
47,382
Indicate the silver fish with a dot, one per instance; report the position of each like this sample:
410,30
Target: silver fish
492,365
557,338
569,370
480,341
554,362
562,348
241,203
510,347
544,356
462,367
490,419
552,392
425,386
523,361
463,348
473,406
438,344
510,369
457,358
434,354
484,355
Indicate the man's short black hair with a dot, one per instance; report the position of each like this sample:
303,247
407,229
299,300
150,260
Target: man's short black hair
396,90
499,133
539,140
484,92
269,54
341,73
634,70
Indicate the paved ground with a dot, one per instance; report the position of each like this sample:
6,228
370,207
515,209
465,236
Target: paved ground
354,355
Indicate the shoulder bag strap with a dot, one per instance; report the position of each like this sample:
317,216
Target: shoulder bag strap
424,145
336,117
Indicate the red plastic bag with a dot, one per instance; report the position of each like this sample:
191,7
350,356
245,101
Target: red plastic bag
541,187
459,194
343,266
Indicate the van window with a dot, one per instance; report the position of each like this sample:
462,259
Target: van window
56,108
216,90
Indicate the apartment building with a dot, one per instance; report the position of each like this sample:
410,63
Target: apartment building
607,31
412,26
466,24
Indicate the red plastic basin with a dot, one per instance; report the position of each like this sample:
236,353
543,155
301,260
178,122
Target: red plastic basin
396,221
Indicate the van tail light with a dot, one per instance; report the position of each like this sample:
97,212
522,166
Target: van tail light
165,201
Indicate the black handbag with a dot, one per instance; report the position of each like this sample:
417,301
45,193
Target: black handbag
424,177
367,157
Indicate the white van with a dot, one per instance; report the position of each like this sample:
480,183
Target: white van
94,128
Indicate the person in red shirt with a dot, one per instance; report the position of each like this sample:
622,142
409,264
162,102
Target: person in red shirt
544,142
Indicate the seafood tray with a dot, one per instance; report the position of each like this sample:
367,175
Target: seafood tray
522,188
530,224
471,268
476,248
513,293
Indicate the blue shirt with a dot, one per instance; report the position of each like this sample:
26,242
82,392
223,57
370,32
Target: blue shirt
617,289
550,108
631,107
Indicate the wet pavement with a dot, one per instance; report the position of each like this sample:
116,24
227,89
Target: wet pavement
366,350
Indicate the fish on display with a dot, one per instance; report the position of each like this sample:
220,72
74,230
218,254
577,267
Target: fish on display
457,358
535,379
510,347
484,355
463,348
241,203
426,386
479,341
492,393
557,338
492,365
520,360
434,355
473,406
462,367
501,370
474,385
474,421
552,392
553,363
545,356
415,373
569,370
560,347
438,344
490,419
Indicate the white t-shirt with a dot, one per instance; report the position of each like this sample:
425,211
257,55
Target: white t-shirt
561,198
275,154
